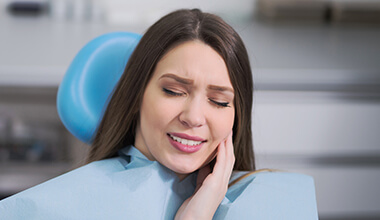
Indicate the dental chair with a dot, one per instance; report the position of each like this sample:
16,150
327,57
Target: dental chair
89,81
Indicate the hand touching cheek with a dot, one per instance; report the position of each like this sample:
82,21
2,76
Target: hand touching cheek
211,186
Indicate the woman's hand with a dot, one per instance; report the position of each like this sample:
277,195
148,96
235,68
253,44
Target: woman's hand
211,186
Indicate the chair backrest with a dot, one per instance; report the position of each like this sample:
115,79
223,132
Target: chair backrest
89,81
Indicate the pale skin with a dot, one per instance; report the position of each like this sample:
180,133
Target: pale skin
191,97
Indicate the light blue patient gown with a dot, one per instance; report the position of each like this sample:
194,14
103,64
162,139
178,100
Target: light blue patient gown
132,187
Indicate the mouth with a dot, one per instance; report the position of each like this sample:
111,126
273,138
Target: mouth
185,143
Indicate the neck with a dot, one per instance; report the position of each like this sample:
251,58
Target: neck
181,176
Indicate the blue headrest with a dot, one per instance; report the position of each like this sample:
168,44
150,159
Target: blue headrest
89,81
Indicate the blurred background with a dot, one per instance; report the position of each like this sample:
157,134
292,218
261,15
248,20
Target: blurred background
316,66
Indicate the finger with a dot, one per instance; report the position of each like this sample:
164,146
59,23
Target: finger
230,156
220,164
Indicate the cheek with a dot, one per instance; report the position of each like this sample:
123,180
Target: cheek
222,124
158,111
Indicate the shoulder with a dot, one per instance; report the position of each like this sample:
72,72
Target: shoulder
272,195
41,201
86,173
82,176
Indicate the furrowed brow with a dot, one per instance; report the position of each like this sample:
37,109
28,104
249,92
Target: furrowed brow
178,79
221,88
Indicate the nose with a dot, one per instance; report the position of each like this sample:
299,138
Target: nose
192,114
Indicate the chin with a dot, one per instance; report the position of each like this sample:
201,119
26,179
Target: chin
185,170
184,164
183,167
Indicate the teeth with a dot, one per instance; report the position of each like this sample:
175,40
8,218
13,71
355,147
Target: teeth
185,141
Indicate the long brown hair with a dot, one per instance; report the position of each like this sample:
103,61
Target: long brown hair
117,128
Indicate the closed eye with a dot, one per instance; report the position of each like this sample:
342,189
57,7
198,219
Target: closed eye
220,104
172,93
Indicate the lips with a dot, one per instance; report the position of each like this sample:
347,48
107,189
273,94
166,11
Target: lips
185,143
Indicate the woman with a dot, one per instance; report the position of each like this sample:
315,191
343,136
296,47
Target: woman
166,147
202,75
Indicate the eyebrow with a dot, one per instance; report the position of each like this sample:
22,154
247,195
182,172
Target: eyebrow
190,81
220,88
178,79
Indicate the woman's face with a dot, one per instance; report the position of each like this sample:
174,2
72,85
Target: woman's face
187,108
